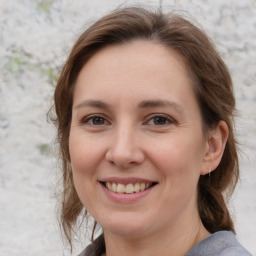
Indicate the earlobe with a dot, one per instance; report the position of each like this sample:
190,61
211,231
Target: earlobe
216,142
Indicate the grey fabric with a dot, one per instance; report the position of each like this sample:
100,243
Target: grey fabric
222,243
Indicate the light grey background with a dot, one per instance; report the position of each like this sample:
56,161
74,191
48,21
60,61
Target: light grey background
35,38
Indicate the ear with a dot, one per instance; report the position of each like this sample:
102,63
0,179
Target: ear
215,145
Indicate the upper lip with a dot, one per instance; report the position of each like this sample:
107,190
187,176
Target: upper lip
126,181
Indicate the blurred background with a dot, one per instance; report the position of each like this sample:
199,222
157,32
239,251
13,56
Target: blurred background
35,39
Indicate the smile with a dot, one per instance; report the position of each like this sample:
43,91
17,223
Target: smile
128,188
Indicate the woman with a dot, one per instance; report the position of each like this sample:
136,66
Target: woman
144,110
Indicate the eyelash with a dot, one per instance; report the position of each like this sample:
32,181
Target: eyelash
89,118
168,120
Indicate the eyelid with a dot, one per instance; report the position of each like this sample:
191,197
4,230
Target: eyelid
84,120
167,117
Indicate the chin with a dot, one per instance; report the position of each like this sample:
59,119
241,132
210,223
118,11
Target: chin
126,227
127,231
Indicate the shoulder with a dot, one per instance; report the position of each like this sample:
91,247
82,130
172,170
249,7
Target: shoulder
221,243
235,251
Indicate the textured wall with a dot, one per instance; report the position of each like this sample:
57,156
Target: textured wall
35,37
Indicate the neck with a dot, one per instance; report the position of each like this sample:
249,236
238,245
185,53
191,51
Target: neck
175,241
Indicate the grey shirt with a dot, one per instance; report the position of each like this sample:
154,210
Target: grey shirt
221,243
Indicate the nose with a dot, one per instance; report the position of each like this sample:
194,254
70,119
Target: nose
125,150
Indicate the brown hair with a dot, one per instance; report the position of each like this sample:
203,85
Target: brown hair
211,81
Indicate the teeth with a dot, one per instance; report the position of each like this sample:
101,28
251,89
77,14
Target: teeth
114,187
142,186
108,185
128,189
137,187
120,188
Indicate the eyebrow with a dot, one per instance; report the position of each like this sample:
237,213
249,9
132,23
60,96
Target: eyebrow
93,103
159,103
144,104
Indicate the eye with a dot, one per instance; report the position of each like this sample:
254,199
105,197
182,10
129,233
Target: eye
94,120
160,120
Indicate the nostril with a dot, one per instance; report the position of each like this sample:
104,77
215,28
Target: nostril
124,158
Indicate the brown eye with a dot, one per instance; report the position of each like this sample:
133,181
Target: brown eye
94,120
159,120
98,121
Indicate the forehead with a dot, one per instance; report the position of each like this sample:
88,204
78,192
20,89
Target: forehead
141,68
131,55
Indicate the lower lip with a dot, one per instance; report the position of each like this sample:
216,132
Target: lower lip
126,198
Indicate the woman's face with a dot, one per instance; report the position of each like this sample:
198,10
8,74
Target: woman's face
136,141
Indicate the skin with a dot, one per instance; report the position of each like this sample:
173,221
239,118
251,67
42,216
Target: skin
135,115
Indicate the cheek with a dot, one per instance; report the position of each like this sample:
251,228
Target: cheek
179,168
83,161
180,157
85,153
82,170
